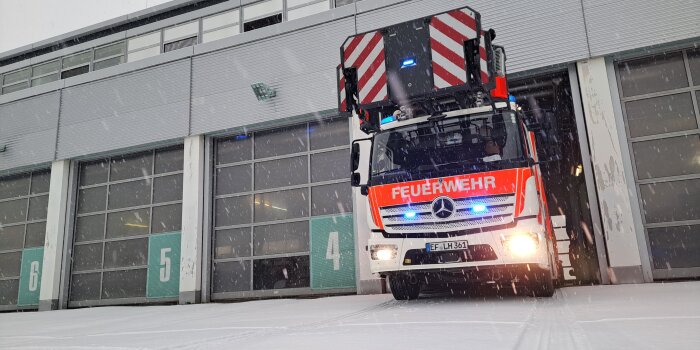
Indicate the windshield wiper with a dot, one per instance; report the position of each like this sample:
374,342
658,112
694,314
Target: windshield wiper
473,165
461,163
457,164
390,171
425,167
476,163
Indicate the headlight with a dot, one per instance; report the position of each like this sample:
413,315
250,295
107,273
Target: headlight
383,252
521,244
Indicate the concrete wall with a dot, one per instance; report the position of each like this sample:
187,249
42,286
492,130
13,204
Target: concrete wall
614,194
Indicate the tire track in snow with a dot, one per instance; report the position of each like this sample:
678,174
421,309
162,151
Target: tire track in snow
334,321
212,342
552,325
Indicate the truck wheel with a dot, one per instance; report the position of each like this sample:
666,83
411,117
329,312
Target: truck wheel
403,289
541,284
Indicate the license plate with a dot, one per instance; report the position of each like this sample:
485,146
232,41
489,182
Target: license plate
446,246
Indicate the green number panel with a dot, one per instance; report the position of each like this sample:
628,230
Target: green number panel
332,252
163,265
30,277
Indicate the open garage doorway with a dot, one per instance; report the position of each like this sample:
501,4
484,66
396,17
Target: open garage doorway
548,97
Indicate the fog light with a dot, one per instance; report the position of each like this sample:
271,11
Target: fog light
521,244
383,252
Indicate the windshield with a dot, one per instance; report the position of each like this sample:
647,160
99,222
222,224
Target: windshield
451,142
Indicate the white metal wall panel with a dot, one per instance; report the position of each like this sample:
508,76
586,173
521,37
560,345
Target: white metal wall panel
299,65
615,26
28,130
371,18
153,104
146,106
535,33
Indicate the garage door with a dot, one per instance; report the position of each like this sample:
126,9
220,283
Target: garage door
126,241
660,96
24,199
282,212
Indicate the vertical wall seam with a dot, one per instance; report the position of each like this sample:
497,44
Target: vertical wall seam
585,28
354,16
58,123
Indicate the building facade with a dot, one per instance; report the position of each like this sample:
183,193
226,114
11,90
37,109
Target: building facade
137,165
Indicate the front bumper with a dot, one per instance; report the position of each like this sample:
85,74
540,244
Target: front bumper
486,249
437,279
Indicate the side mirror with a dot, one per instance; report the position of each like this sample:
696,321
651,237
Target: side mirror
355,153
355,157
364,190
355,179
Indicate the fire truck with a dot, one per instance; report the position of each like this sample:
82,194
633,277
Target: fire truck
452,180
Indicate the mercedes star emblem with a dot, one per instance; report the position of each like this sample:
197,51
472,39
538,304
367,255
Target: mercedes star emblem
443,207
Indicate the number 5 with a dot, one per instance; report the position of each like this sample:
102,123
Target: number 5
165,262
33,276
333,250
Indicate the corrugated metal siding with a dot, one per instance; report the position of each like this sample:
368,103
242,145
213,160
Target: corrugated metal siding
299,65
28,129
146,106
535,33
154,104
615,26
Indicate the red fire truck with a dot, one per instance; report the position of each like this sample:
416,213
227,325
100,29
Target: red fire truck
453,184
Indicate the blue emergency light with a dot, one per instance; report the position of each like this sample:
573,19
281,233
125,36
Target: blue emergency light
409,214
388,119
479,208
408,62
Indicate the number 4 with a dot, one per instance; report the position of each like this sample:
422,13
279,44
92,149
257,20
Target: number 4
165,262
333,250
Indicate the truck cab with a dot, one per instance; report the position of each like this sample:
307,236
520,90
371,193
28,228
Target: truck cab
453,183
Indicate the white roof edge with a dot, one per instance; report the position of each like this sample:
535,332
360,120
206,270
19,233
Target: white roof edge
151,11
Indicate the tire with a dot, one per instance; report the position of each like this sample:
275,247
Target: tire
541,284
402,289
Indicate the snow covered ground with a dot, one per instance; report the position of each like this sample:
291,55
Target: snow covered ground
648,316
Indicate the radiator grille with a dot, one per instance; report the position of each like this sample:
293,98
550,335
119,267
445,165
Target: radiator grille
500,211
